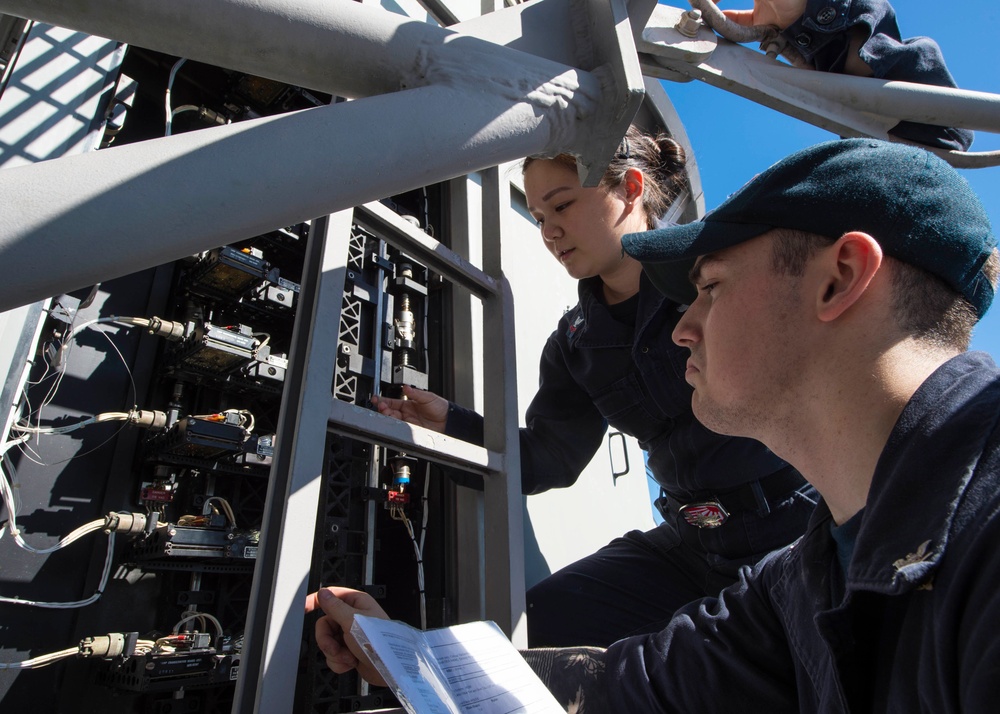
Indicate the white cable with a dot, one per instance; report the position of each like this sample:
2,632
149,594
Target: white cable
184,108
9,503
142,647
423,525
67,341
42,660
79,603
97,419
166,96
12,503
226,508
418,548
267,338
195,615
142,321
10,491
420,569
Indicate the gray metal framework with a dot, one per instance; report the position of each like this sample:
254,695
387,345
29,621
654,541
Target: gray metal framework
537,78
501,106
273,634
842,104
475,95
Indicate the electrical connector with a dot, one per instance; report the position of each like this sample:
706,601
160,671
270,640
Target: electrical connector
114,644
125,522
148,418
172,331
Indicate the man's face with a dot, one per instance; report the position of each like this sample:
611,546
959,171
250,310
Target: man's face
742,332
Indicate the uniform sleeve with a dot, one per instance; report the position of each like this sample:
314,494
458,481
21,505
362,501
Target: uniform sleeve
713,655
976,603
978,656
822,36
564,429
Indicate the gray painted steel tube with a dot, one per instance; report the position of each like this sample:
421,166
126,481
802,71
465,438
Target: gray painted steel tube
84,219
337,46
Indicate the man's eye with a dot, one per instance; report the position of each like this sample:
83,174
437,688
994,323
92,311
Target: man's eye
707,287
563,206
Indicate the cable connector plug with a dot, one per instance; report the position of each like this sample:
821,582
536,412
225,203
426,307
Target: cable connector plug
125,522
168,329
113,644
148,418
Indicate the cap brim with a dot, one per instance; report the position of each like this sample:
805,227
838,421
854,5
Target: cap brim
668,254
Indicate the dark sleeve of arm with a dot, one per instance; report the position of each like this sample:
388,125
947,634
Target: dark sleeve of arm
710,651
564,429
466,425
575,676
977,607
824,41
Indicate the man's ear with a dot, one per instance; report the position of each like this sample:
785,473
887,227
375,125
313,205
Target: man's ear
848,267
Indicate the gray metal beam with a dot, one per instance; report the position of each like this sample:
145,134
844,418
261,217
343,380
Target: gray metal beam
473,105
353,50
132,207
504,509
289,41
592,35
425,250
843,104
369,426
274,627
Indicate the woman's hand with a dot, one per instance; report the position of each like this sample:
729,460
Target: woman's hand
418,407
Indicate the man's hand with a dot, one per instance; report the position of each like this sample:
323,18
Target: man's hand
333,629
422,408
780,13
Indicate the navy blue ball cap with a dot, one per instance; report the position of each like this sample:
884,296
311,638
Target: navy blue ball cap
919,209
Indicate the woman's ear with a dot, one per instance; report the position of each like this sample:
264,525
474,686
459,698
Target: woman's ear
633,185
846,271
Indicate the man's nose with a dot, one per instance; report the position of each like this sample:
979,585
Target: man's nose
686,332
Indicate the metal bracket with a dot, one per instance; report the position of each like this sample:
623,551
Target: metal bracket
592,35
663,39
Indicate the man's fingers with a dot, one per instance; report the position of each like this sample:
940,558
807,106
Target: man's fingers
341,664
328,596
338,603
357,600
312,603
329,639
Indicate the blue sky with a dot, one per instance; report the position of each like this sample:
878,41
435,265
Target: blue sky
734,138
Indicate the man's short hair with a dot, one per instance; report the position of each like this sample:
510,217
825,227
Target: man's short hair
923,305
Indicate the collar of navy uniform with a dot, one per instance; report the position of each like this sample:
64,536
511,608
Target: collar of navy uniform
915,490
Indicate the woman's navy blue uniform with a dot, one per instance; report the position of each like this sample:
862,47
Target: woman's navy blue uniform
617,365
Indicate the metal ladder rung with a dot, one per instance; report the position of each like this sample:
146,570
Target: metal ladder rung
368,425
424,249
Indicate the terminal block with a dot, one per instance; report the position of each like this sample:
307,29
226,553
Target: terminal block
215,350
200,438
162,672
212,541
228,273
